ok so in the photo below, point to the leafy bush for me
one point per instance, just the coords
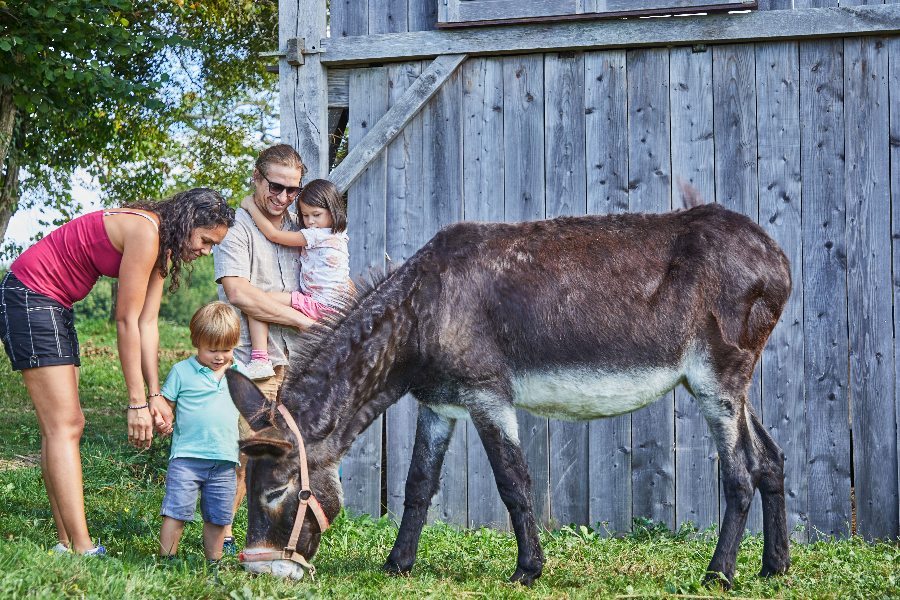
(199, 289)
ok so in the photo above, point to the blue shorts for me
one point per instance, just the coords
(214, 480)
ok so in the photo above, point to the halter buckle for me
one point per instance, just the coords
(304, 494)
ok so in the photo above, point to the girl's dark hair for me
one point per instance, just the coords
(322, 193)
(179, 216)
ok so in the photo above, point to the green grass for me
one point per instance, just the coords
(124, 489)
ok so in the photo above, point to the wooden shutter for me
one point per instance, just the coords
(458, 12)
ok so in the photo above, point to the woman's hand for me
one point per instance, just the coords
(140, 427)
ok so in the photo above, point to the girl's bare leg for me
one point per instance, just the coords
(281, 297)
(259, 334)
(54, 392)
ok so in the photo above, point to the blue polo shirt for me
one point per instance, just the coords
(206, 420)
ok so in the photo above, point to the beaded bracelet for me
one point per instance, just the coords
(138, 407)
(152, 395)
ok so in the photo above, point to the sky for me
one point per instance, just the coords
(24, 224)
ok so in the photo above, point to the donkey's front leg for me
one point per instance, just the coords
(433, 434)
(497, 426)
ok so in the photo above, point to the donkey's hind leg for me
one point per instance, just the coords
(748, 459)
(433, 433)
(497, 427)
(776, 557)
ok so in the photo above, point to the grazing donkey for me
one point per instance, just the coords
(570, 318)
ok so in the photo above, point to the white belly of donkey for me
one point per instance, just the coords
(579, 393)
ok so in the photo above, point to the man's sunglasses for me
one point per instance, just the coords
(276, 188)
(218, 207)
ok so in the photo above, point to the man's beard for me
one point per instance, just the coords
(262, 203)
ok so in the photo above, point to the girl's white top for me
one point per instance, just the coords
(325, 266)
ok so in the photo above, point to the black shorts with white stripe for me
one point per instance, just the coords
(37, 331)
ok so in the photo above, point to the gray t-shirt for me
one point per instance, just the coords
(245, 252)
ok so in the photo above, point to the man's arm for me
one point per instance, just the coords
(257, 304)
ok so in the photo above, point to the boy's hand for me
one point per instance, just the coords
(247, 203)
(163, 418)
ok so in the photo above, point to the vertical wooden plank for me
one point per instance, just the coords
(422, 14)
(482, 90)
(649, 175)
(304, 90)
(523, 160)
(388, 16)
(737, 181)
(566, 195)
(606, 125)
(825, 287)
(348, 17)
(780, 202)
(894, 94)
(867, 174)
(693, 150)
(366, 208)
(406, 233)
(443, 191)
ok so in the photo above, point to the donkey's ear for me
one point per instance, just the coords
(259, 446)
(249, 401)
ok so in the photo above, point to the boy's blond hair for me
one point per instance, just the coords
(216, 326)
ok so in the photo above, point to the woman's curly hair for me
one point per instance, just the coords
(179, 216)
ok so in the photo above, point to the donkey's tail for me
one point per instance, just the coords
(690, 196)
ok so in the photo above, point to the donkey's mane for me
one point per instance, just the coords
(327, 346)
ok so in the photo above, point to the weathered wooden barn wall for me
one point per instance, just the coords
(798, 135)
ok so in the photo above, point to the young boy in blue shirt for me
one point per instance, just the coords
(205, 441)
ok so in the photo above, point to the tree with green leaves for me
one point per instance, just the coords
(146, 97)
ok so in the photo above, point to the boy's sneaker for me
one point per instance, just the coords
(99, 551)
(259, 369)
(60, 548)
(229, 547)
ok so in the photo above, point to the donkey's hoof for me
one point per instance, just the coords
(775, 569)
(716, 579)
(392, 568)
(525, 577)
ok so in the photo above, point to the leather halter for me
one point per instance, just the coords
(306, 500)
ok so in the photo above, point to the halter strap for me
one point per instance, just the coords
(106, 213)
(307, 500)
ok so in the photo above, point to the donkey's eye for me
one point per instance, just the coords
(273, 496)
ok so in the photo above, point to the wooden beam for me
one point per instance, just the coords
(550, 37)
(304, 88)
(387, 128)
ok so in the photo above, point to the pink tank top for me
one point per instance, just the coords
(67, 263)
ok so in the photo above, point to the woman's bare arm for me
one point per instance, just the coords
(140, 248)
(148, 324)
(272, 233)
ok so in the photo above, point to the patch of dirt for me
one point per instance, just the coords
(88, 348)
(21, 461)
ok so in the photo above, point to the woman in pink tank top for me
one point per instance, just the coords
(141, 245)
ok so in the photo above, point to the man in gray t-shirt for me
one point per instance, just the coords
(247, 266)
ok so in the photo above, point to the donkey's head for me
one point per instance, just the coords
(274, 484)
